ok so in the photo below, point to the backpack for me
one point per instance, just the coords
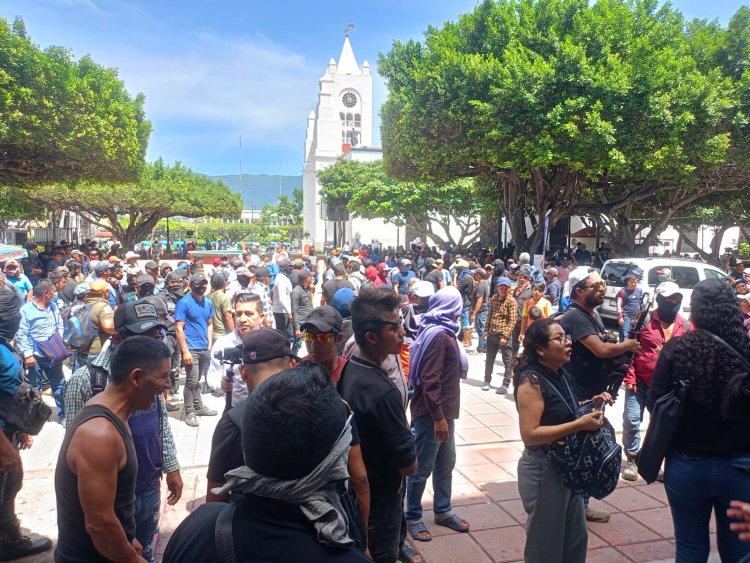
(589, 463)
(79, 332)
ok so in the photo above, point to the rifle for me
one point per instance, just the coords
(623, 362)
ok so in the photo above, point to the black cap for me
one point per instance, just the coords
(144, 279)
(324, 319)
(197, 279)
(137, 316)
(217, 279)
(262, 272)
(265, 344)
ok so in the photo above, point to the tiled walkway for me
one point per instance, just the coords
(485, 489)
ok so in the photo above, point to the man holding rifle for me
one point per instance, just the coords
(665, 324)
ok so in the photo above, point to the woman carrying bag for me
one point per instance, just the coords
(708, 462)
(556, 527)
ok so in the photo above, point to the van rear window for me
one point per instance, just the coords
(615, 273)
(685, 276)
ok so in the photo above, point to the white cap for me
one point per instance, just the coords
(578, 275)
(667, 289)
(423, 289)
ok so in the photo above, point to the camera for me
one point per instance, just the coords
(232, 355)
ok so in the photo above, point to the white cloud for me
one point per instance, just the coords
(251, 85)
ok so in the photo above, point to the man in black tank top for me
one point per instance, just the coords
(96, 470)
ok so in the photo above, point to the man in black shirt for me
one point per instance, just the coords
(265, 352)
(433, 274)
(332, 286)
(295, 436)
(387, 444)
(589, 363)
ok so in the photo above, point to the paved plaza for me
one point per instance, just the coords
(485, 490)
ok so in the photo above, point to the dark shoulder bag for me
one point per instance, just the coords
(25, 411)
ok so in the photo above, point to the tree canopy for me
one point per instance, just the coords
(367, 191)
(132, 210)
(568, 107)
(63, 120)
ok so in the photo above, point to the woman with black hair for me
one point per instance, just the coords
(709, 462)
(556, 525)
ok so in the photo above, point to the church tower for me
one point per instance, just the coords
(341, 121)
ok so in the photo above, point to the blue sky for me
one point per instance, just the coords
(212, 71)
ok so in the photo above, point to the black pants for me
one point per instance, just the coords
(506, 352)
(193, 374)
(174, 372)
(282, 322)
(384, 528)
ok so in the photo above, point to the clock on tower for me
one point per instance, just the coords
(349, 100)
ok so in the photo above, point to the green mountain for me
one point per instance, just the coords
(261, 189)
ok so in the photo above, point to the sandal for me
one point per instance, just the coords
(418, 531)
(453, 522)
(407, 554)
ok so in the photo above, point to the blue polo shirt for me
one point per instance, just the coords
(402, 279)
(195, 315)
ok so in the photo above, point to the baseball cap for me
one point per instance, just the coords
(130, 254)
(439, 261)
(462, 264)
(283, 263)
(264, 345)
(102, 266)
(73, 265)
(423, 289)
(58, 273)
(383, 267)
(98, 286)
(430, 262)
(151, 265)
(81, 289)
(217, 278)
(216, 261)
(479, 271)
(667, 289)
(514, 267)
(197, 279)
(325, 319)
(299, 262)
(525, 271)
(144, 279)
(405, 262)
(342, 301)
(137, 316)
(664, 274)
(243, 271)
(262, 271)
(578, 275)
(132, 270)
(503, 281)
(177, 275)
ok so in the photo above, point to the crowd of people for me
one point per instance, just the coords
(325, 456)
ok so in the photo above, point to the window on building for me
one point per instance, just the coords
(349, 120)
(357, 120)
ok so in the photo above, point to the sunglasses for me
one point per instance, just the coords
(322, 337)
(597, 285)
(395, 326)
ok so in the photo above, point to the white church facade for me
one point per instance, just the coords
(340, 128)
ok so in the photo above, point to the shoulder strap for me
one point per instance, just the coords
(686, 325)
(554, 388)
(223, 534)
(731, 348)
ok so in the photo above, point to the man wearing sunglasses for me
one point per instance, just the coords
(590, 363)
(323, 332)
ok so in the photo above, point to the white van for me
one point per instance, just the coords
(687, 273)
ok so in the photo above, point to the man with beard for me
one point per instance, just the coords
(193, 317)
(590, 363)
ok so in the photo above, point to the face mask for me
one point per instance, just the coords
(200, 290)
(667, 311)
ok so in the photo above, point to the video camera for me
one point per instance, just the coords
(231, 355)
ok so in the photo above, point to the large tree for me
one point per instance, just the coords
(562, 107)
(367, 191)
(132, 210)
(63, 120)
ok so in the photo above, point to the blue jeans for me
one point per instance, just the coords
(54, 377)
(384, 528)
(465, 322)
(698, 486)
(147, 505)
(479, 322)
(436, 458)
(625, 328)
(631, 419)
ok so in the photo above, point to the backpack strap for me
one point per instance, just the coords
(554, 388)
(236, 412)
(223, 534)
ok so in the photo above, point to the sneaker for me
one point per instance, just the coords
(205, 411)
(593, 515)
(630, 473)
(171, 407)
(660, 476)
(502, 390)
(217, 393)
(191, 420)
(23, 547)
(486, 387)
